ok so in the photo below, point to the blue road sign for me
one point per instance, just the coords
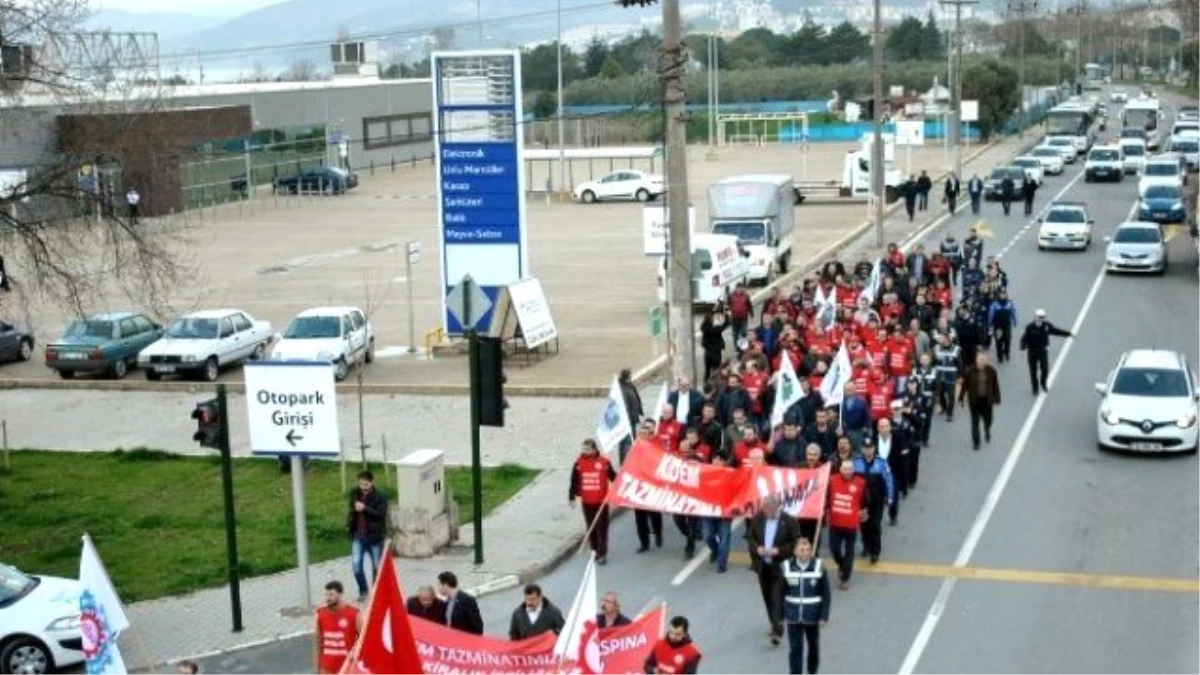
(478, 149)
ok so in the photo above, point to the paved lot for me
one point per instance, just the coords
(276, 256)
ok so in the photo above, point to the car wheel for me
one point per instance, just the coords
(588, 196)
(212, 369)
(369, 357)
(340, 369)
(642, 195)
(784, 262)
(153, 376)
(26, 655)
(66, 374)
(26, 351)
(259, 353)
(120, 369)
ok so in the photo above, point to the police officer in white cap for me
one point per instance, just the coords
(1035, 342)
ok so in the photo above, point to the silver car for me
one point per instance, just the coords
(1136, 247)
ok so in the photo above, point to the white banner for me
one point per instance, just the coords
(533, 312)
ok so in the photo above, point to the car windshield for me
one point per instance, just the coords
(1185, 146)
(1155, 382)
(1161, 169)
(1061, 141)
(1065, 216)
(1031, 163)
(1163, 192)
(747, 233)
(1046, 152)
(90, 328)
(1137, 235)
(193, 329)
(1105, 155)
(1133, 150)
(14, 584)
(1133, 133)
(313, 327)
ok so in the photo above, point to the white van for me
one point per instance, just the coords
(1134, 152)
(719, 264)
(1163, 170)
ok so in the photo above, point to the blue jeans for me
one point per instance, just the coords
(717, 533)
(360, 549)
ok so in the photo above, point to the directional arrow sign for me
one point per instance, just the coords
(467, 302)
(292, 407)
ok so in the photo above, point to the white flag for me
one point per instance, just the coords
(614, 425)
(833, 387)
(683, 406)
(578, 643)
(101, 618)
(826, 307)
(787, 389)
(871, 289)
(662, 401)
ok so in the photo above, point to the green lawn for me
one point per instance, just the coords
(158, 520)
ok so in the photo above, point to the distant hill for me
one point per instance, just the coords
(167, 25)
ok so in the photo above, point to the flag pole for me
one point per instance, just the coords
(352, 656)
(592, 525)
(576, 602)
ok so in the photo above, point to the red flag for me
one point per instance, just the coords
(386, 644)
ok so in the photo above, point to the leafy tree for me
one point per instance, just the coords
(594, 56)
(611, 68)
(931, 40)
(638, 53)
(846, 44)
(545, 105)
(757, 47)
(994, 85)
(539, 67)
(809, 45)
(697, 44)
(906, 42)
(1035, 43)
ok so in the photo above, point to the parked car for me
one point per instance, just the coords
(239, 185)
(103, 343)
(324, 179)
(39, 622)
(1162, 204)
(16, 342)
(342, 336)
(624, 184)
(1136, 247)
(1032, 166)
(991, 185)
(1148, 403)
(202, 343)
(1051, 159)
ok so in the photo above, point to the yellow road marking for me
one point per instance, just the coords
(1172, 231)
(1085, 580)
(982, 229)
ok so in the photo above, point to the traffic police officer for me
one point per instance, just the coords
(805, 606)
(1035, 342)
(1002, 318)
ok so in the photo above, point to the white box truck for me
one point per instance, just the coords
(760, 210)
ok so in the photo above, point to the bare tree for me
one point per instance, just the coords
(303, 70)
(64, 232)
(375, 294)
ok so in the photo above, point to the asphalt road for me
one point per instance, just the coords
(1038, 553)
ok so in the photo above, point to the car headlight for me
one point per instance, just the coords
(1110, 418)
(1143, 206)
(1186, 421)
(1177, 206)
(64, 623)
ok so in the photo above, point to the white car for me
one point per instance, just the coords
(1134, 152)
(1136, 247)
(1163, 170)
(1189, 147)
(1032, 166)
(624, 184)
(202, 343)
(1065, 225)
(1118, 96)
(1148, 404)
(343, 336)
(39, 622)
(1104, 162)
(1188, 113)
(1051, 159)
(1064, 145)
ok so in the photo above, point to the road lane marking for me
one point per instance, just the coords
(921, 641)
(691, 566)
(1079, 579)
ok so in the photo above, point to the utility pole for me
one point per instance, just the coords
(683, 361)
(1022, 8)
(1078, 39)
(562, 153)
(953, 119)
(877, 171)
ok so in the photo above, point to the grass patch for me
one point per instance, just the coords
(158, 519)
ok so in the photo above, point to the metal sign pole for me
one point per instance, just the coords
(408, 277)
(231, 551)
(301, 518)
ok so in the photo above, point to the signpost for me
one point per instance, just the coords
(908, 134)
(655, 321)
(413, 257)
(466, 303)
(292, 410)
(478, 150)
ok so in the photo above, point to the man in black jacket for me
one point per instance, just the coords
(534, 616)
(1008, 189)
(951, 192)
(633, 407)
(462, 610)
(1035, 342)
(788, 449)
(366, 523)
(771, 535)
(924, 186)
(822, 433)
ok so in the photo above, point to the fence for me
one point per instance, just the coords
(224, 174)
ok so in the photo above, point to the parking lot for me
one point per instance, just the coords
(275, 256)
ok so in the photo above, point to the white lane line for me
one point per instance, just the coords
(691, 566)
(975, 534)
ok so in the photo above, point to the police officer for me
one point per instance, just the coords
(952, 251)
(1035, 342)
(946, 359)
(973, 247)
(806, 603)
(1002, 318)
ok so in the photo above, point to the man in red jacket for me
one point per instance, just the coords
(741, 310)
(675, 653)
(754, 381)
(880, 392)
(590, 479)
(847, 509)
(669, 431)
(900, 357)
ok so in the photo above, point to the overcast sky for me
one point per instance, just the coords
(201, 7)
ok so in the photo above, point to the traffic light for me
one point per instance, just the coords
(208, 424)
(491, 382)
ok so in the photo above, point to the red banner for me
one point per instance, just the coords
(654, 480)
(444, 650)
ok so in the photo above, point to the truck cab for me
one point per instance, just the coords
(760, 211)
(719, 265)
(856, 170)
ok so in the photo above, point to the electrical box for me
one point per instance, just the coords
(421, 481)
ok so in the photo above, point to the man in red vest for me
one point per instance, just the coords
(338, 624)
(675, 653)
(590, 480)
(847, 509)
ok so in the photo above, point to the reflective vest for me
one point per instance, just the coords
(674, 658)
(593, 479)
(802, 597)
(339, 632)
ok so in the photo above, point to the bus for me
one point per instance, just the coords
(1074, 121)
(1143, 112)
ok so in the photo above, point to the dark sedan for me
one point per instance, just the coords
(323, 180)
(16, 342)
(103, 343)
(1162, 204)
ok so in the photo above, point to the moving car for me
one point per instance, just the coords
(1163, 170)
(39, 622)
(1118, 96)
(1032, 166)
(16, 342)
(624, 184)
(1104, 162)
(1136, 247)
(1186, 128)
(1133, 152)
(1064, 145)
(1188, 113)
(1162, 204)
(343, 336)
(1065, 225)
(1148, 403)
(1051, 159)
(103, 343)
(1189, 147)
(991, 185)
(323, 179)
(202, 343)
